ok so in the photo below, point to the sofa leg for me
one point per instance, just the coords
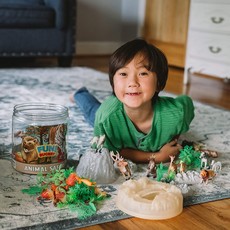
(65, 61)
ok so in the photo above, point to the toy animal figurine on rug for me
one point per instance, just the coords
(96, 163)
(121, 164)
(207, 175)
(182, 167)
(216, 166)
(204, 161)
(172, 166)
(152, 167)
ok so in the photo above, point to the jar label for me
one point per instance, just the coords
(39, 148)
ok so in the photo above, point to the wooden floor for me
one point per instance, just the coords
(212, 91)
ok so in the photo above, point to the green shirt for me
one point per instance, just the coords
(172, 116)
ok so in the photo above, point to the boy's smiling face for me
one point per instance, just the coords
(134, 84)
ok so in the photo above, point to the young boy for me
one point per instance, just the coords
(135, 120)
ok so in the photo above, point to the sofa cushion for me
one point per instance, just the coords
(25, 2)
(26, 16)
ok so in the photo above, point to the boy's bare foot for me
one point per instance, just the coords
(71, 97)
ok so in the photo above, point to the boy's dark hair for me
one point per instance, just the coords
(155, 57)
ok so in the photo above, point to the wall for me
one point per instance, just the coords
(103, 25)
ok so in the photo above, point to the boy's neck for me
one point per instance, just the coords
(142, 119)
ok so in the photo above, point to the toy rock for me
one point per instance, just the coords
(96, 164)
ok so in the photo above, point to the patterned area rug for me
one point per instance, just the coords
(20, 211)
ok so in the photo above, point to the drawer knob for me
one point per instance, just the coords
(214, 49)
(217, 20)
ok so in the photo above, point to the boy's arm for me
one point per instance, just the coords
(137, 156)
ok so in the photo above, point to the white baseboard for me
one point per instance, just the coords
(95, 48)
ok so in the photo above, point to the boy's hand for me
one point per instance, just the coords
(170, 149)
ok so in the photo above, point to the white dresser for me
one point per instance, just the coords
(208, 42)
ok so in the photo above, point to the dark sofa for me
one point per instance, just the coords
(38, 28)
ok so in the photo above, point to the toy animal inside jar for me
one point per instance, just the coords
(39, 137)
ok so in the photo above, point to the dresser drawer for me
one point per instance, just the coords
(210, 17)
(215, 47)
(208, 67)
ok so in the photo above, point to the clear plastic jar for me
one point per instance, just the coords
(39, 137)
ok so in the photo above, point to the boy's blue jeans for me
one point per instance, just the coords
(87, 103)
